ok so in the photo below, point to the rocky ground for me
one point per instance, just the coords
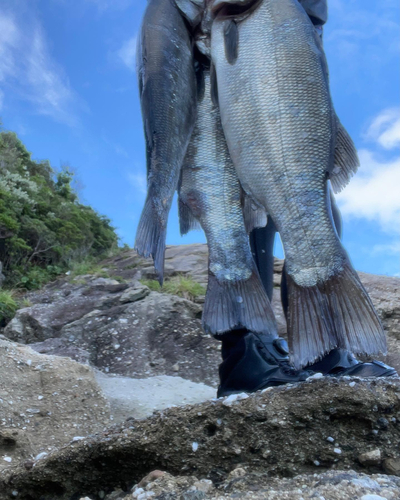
(103, 350)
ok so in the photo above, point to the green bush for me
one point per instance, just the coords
(183, 286)
(43, 226)
(8, 306)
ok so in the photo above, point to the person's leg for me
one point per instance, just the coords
(252, 361)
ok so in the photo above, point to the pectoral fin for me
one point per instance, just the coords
(231, 39)
(346, 160)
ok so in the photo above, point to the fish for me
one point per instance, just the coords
(210, 191)
(167, 88)
(253, 213)
(286, 142)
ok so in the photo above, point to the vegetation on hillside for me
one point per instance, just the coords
(44, 229)
(184, 286)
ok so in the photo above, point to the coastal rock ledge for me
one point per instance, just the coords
(321, 426)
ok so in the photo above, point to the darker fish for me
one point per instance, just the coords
(167, 88)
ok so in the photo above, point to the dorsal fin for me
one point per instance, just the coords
(231, 38)
(346, 160)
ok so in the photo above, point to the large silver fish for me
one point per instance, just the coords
(167, 88)
(285, 142)
(210, 191)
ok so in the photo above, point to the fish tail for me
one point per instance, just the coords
(240, 304)
(150, 237)
(335, 313)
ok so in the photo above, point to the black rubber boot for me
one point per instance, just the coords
(252, 362)
(340, 362)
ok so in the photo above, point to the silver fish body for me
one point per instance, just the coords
(167, 88)
(285, 140)
(211, 191)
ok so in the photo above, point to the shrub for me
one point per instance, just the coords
(43, 226)
(183, 286)
(8, 306)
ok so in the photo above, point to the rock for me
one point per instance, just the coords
(129, 332)
(134, 293)
(155, 474)
(44, 402)
(291, 423)
(392, 466)
(372, 457)
(155, 332)
(139, 398)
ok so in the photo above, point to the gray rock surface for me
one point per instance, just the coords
(139, 398)
(45, 401)
(306, 428)
(87, 317)
(242, 483)
(119, 328)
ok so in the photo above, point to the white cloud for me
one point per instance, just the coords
(139, 182)
(385, 128)
(27, 68)
(374, 192)
(127, 53)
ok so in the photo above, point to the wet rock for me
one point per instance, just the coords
(292, 423)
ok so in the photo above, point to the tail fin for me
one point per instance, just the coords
(150, 238)
(336, 313)
(237, 304)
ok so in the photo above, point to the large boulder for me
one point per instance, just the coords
(124, 329)
(119, 328)
(245, 484)
(45, 401)
(304, 428)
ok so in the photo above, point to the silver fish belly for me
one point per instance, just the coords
(282, 135)
(210, 189)
(167, 88)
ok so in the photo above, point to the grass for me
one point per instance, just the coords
(183, 286)
(87, 266)
(8, 305)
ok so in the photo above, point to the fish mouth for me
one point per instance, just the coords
(238, 9)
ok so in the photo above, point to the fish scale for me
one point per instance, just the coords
(284, 160)
(210, 189)
(282, 134)
(167, 87)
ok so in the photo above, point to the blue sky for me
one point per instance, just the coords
(68, 88)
